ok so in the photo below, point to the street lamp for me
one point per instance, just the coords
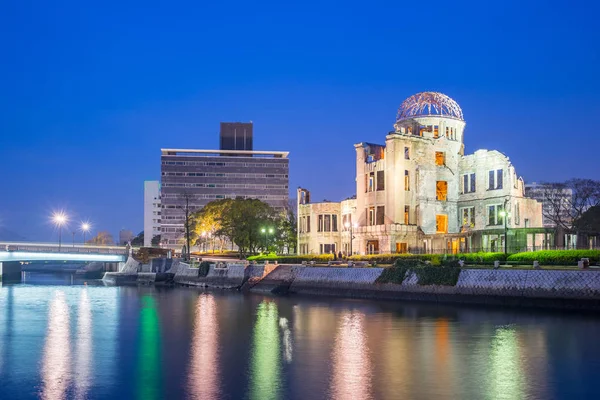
(349, 226)
(504, 216)
(59, 219)
(85, 227)
(265, 231)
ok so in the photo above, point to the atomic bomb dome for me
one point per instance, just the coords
(429, 104)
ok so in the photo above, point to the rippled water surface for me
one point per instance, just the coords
(143, 343)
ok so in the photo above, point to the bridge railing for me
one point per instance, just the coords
(63, 248)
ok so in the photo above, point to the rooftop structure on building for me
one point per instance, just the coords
(418, 192)
(236, 136)
(208, 175)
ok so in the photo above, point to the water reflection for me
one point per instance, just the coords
(148, 371)
(506, 376)
(204, 364)
(287, 339)
(83, 346)
(266, 364)
(352, 368)
(56, 365)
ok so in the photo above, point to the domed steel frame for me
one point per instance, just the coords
(429, 104)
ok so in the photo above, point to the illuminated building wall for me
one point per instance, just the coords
(419, 192)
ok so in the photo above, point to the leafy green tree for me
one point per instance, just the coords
(238, 221)
(102, 238)
(155, 241)
(138, 240)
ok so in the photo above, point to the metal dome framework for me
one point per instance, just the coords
(429, 104)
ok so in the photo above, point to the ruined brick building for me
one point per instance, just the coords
(419, 192)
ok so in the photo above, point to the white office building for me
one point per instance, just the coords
(152, 211)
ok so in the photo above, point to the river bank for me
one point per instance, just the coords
(531, 288)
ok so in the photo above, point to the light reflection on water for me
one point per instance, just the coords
(56, 368)
(147, 343)
(204, 364)
(351, 363)
(83, 347)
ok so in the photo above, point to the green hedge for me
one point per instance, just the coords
(427, 274)
(298, 259)
(555, 257)
(434, 259)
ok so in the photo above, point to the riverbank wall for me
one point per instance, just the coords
(567, 289)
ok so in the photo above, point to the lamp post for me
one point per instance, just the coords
(350, 226)
(85, 227)
(504, 216)
(59, 219)
(265, 231)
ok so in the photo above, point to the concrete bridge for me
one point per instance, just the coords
(14, 254)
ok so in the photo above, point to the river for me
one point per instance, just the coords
(85, 341)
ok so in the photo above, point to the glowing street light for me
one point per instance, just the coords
(85, 227)
(267, 231)
(59, 219)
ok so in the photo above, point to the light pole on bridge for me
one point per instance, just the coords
(59, 219)
(85, 227)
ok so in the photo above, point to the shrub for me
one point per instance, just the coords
(294, 259)
(427, 274)
(430, 275)
(555, 257)
(203, 269)
(391, 258)
(481, 257)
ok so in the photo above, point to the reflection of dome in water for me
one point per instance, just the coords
(429, 104)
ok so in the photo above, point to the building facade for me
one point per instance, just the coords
(556, 202)
(419, 192)
(207, 175)
(125, 237)
(236, 136)
(152, 211)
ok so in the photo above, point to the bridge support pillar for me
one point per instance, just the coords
(10, 271)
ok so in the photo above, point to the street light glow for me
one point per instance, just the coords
(59, 218)
(85, 226)
(263, 230)
(270, 230)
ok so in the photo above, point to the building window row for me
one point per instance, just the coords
(468, 183)
(224, 196)
(327, 248)
(225, 185)
(327, 223)
(376, 215)
(495, 179)
(495, 214)
(224, 164)
(375, 181)
(224, 175)
(305, 224)
(451, 133)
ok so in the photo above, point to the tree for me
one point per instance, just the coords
(589, 221)
(138, 240)
(188, 198)
(102, 238)
(287, 232)
(566, 203)
(239, 221)
(155, 241)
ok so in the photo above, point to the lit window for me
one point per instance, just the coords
(440, 158)
(371, 215)
(441, 188)
(406, 215)
(441, 223)
(406, 181)
(468, 217)
(436, 131)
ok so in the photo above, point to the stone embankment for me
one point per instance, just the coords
(544, 288)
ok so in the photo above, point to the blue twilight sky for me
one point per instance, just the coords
(90, 91)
